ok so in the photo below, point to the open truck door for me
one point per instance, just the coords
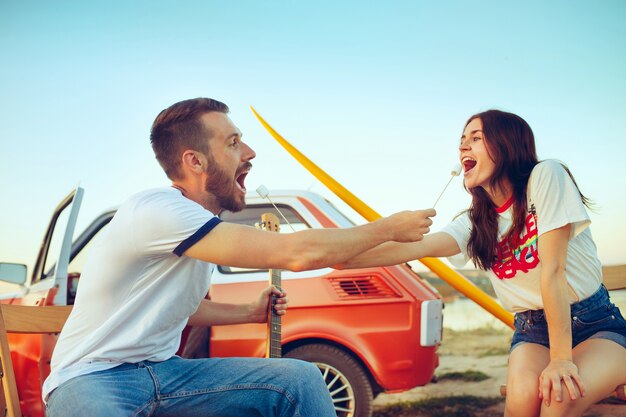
(50, 268)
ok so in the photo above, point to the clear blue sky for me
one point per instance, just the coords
(374, 92)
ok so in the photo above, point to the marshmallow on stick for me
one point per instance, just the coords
(456, 171)
(263, 192)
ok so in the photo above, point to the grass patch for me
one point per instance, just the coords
(494, 351)
(480, 342)
(455, 406)
(478, 331)
(468, 376)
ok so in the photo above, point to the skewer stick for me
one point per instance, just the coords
(456, 171)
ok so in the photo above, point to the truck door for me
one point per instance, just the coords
(49, 277)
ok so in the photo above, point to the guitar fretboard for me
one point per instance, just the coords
(270, 222)
(275, 323)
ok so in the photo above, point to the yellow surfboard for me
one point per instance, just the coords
(453, 278)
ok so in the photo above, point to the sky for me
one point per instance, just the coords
(375, 93)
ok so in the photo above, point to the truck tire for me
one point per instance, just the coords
(349, 386)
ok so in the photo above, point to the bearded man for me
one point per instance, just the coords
(147, 277)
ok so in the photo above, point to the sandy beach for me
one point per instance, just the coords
(484, 350)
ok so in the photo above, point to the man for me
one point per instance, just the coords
(148, 275)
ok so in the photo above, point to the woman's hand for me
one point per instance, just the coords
(550, 381)
(258, 309)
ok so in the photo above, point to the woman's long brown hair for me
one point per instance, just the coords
(510, 143)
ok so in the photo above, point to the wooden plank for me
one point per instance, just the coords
(23, 319)
(614, 277)
(34, 319)
(9, 386)
(615, 282)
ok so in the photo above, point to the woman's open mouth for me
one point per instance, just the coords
(468, 164)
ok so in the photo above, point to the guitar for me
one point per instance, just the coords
(270, 222)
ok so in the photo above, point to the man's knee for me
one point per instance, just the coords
(302, 371)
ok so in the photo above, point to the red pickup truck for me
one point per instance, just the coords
(368, 330)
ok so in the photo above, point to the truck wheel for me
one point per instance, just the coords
(345, 378)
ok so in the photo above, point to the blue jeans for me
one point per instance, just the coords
(593, 317)
(196, 387)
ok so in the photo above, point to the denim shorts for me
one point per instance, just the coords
(593, 317)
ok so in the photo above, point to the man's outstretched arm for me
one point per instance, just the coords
(243, 246)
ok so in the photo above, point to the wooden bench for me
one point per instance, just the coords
(612, 282)
(23, 319)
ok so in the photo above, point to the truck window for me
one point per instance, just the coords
(78, 262)
(55, 244)
(251, 215)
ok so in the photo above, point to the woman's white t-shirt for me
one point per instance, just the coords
(553, 201)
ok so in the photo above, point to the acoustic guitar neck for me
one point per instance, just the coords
(270, 222)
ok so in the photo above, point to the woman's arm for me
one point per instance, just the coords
(392, 253)
(552, 248)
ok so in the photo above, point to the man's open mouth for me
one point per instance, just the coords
(241, 179)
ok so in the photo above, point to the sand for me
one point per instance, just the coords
(482, 350)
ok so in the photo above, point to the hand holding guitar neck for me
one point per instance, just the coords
(456, 171)
(270, 222)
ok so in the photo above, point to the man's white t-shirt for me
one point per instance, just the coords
(553, 202)
(137, 290)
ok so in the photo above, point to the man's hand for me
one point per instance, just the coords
(258, 309)
(410, 226)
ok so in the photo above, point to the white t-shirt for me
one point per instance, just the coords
(136, 291)
(553, 202)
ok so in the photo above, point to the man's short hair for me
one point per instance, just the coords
(179, 128)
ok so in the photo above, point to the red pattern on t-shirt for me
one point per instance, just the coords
(525, 255)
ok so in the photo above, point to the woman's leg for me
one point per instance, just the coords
(602, 367)
(526, 363)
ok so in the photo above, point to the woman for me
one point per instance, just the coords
(528, 226)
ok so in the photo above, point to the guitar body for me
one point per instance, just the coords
(270, 222)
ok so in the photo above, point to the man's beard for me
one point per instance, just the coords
(222, 187)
